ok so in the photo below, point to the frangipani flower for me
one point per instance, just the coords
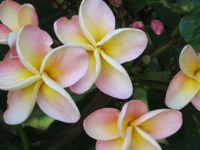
(39, 74)
(107, 48)
(133, 128)
(14, 16)
(185, 85)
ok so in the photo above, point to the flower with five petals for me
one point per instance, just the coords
(14, 16)
(39, 74)
(133, 128)
(185, 86)
(107, 48)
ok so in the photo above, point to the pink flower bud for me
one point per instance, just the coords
(115, 3)
(137, 25)
(157, 26)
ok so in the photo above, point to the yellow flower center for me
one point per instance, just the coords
(197, 76)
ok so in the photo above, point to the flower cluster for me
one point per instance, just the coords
(92, 53)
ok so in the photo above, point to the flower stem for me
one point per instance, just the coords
(154, 84)
(72, 130)
(23, 136)
(162, 76)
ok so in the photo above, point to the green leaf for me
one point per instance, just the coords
(190, 28)
(35, 135)
(176, 6)
(182, 8)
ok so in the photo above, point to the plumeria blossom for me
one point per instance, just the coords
(133, 128)
(39, 74)
(14, 16)
(185, 86)
(107, 48)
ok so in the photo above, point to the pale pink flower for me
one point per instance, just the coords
(185, 86)
(133, 128)
(14, 16)
(107, 48)
(40, 74)
(157, 26)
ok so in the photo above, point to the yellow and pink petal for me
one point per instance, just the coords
(8, 55)
(90, 76)
(21, 103)
(189, 61)
(95, 23)
(124, 44)
(32, 46)
(66, 64)
(160, 123)
(181, 91)
(8, 14)
(113, 78)
(27, 15)
(143, 141)
(13, 75)
(69, 31)
(115, 144)
(130, 111)
(56, 102)
(4, 30)
(102, 124)
(12, 38)
(196, 101)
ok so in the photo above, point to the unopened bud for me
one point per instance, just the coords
(146, 59)
(116, 3)
(137, 25)
(157, 26)
(54, 4)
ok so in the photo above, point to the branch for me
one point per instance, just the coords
(72, 130)
(163, 76)
(154, 84)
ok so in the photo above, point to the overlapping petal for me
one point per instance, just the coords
(115, 144)
(128, 138)
(90, 76)
(56, 102)
(181, 91)
(113, 79)
(66, 64)
(130, 111)
(160, 123)
(143, 141)
(27, 15)
(92, 26)
(13, 75)
(8, 14)
(4, 30)
(196, 101)
(189, 61)
(102, 124)
(32, 46)
(124, 44)
(12, 38)
(21, 103)
(8, 55)
(69, 31)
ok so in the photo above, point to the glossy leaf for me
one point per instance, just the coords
(176, 6)
(190, 28)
